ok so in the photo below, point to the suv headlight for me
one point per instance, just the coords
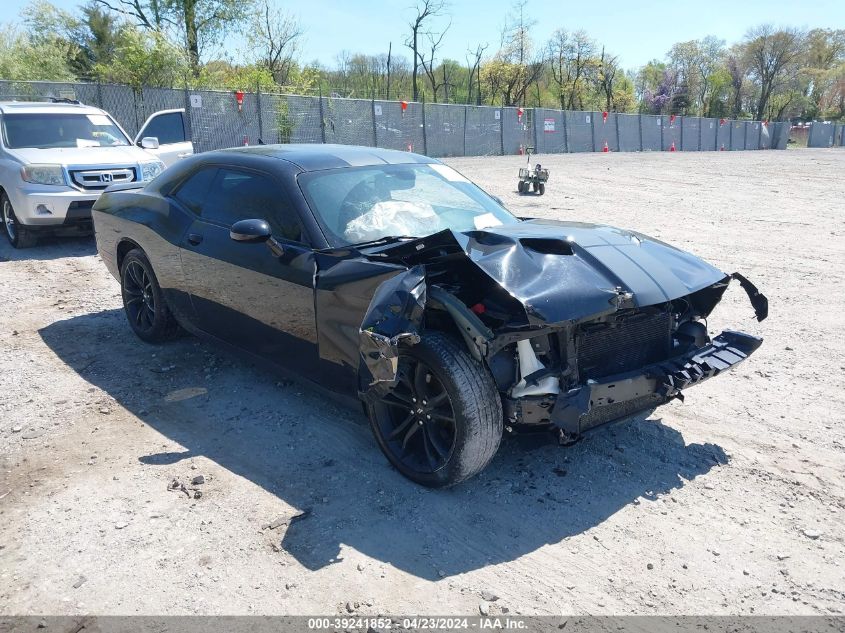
(151, 170)
(43, 174)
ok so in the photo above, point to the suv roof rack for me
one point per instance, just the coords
(64, 100)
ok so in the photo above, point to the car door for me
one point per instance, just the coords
(169, 130)
(243, 293)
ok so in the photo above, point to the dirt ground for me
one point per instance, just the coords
(731, 503)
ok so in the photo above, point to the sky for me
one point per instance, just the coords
(636, 31)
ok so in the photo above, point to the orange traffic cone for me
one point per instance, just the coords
(672, 149)
(606, 148)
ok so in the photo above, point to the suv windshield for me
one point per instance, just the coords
(45, 131)
(362, 204)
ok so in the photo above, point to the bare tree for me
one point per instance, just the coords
(389, 56)
(773, 58)
(428, 62)
(475, 72)
(274, 37)
(426, 10)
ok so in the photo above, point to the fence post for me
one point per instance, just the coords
(99, 95)
(565, 132)
(616, 117)
(258, 106)
(593, 129)
(660, 118)
(322, 118)
(502, 129)
(373, 114)
(188, 117)
(700, 124)
(681, 148)
(425, 131)
(640, 124)
(466, 108)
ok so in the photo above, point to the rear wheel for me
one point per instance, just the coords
(442, 422)
(542, 188)
(535, 186)
(520, 186)
(143, 300)
(16, 233)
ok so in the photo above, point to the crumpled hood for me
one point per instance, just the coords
(568, 271)
(83, 156)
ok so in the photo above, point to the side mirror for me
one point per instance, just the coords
(150, 142)
(250, 231)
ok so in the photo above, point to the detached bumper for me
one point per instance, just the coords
(614, 397)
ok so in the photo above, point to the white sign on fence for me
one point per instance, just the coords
(377, 109)
(548, 125)
(196, 101)
(497, 115)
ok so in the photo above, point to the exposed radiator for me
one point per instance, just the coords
(623, 344)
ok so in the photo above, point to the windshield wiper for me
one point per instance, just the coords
(390, 239)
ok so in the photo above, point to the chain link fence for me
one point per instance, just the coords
(216, 120)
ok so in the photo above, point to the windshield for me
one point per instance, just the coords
(46, 131)
(362, 204)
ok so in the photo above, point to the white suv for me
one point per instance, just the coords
(56, 159)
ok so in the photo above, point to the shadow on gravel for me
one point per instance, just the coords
(48, 248)
(318, 456)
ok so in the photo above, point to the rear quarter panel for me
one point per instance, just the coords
(138, 219)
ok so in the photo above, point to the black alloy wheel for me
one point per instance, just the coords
(442, 421)
(143, 301)
(418, 421)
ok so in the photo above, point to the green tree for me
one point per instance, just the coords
(144, 58)
(22, 59)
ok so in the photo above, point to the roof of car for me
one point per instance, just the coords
(46, 107)
(317, 156)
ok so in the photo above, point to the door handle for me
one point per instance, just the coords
(194, 238)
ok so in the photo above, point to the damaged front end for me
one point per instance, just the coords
(578, 325)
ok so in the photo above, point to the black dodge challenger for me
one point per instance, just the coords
(392, 279)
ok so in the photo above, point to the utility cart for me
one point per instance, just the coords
(532, 179)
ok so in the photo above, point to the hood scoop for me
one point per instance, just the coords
(547, 245)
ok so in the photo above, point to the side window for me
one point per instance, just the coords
(168, 128)
(194, 191)
(241, 195)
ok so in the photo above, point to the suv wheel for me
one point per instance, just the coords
(442, 422)
(16, 233)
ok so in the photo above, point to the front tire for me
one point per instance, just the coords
(143, 301)
(442, 422)
(16, 233)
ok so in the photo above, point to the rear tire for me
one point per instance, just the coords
(16, 233)
(442, 423)
(542, 189)
(520, 186)
(143, 301)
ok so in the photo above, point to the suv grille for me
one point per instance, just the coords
(624, 343)
(99, 179)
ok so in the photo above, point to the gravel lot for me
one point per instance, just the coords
(729, 504)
